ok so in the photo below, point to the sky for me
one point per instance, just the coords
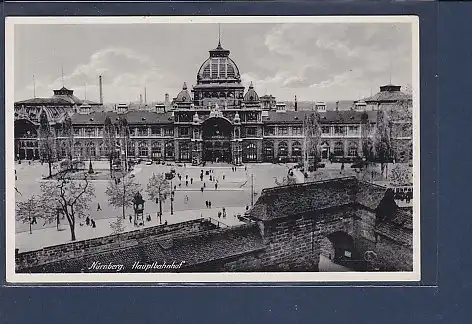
(314, 61)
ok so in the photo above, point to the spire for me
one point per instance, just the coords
(219, 35)
(251, 86)
(85, 91)
(34, 87)
(184, 87)
(62, 74)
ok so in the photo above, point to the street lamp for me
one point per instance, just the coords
(138, 205)
(170, 176)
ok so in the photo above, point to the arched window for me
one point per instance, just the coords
(184, 152)
(78, 151)
(352, 149)
(268, 151)
(63, 150)
(339, 149)
(251, 152)
(169, 150)
(90, 150)
(156, 150)
(143, 149)
(283, 149)
(296, 149)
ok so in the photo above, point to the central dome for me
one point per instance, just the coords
(218, 67)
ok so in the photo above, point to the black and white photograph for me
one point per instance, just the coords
(212, 149)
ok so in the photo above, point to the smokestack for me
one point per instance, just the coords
(140, 99)
(166, 102)
(101, 89)
(296, 103)
(337, 105)
(145, 96)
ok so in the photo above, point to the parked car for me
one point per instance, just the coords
(149, 162)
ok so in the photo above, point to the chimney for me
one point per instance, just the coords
(100, 88)
(145, 96)
(296, 103)
(140, 99)
(337, 105)
(166, 102)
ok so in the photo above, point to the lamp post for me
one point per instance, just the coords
(138, 205)
(170, 176)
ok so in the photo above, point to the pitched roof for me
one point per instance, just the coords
(194, 249)
(328, 117)
(278, 202)
(44, 101)
(133, 117)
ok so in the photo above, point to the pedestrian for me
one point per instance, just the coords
(165, 223)
(186, 177)
(130, 219)
(223, 176)
(93, 223)
(191, 180)
(216, 185)
(186, 198)
(204, 185)
(87, 221)
(34, 221)
(206, 203)
(201, 189)
(219, 214)
(211, 179)
(201, 177)
(186, 183)
(98, 207)
(175, 187)
(209, 203)
(245, 168)
(180, 184)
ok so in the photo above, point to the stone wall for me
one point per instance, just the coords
(101, 244)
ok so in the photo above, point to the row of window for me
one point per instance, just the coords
(134, 131)
(325, 130)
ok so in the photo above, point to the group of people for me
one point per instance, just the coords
(208, 203)
(90, 222)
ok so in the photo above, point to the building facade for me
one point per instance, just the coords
(216, 120)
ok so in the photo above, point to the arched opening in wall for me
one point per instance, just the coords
(26, 140)
(338, 253)
(216, 135)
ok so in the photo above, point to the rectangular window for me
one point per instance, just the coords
(339, 130)
(76, 131)
(353, 130)
(283, 130)
(325, 130)
(168, 132)
(142, 131)
(269, 131)
(251, 131)
(132, 131)
(156, 131)
(184, 131)
(297, 131)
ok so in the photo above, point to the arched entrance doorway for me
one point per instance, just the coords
(216, 135)
(338, 253)
(26, 140)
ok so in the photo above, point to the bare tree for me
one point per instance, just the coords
(121, 193)
(109, 141)
(29, 210)
(46, 140)
(382, 145)
(312, 133)
(72, 197)
(124, 140)
(68, 133)
(158, 188)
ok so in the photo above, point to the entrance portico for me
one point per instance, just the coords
(216, 135)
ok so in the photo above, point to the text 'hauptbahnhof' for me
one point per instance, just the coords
(217, 120)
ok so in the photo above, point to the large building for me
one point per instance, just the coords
(217, 120)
